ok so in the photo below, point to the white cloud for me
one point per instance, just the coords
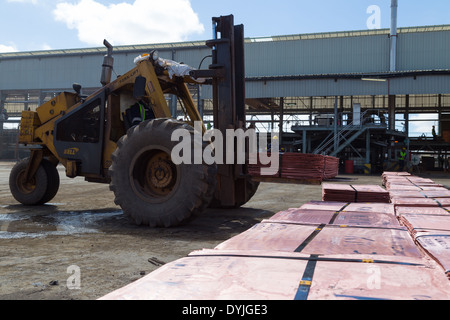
(144, 21)
(7, 48)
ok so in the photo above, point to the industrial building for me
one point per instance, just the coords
(360, 95)
(371, 100)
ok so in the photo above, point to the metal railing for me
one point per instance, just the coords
(356, 127)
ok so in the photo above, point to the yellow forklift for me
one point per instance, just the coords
(121, 135)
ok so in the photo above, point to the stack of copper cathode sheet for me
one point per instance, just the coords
(425, 210)
(430, 228)
(434, 194)
(256, 163)
(409, 182)
(266, 275)
(331, 167)
(297, 166)
(371, 193)
(302, 166)
(354, 193)
(411, 191)
(320, 250)
(338, 192)
(341, 232)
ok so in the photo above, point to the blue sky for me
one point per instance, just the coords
(29, 25)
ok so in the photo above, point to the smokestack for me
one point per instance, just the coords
(107, 67)
(393, 55)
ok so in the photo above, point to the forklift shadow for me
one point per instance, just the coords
(213, 224)
(225, 223)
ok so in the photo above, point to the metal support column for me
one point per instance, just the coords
(391, 111)
(335, 123)
(1, 111)
(440, 115)
(2, 100)
(407, 115)
(281, 120)
(41, 97)
(272, 120)
(304, 143)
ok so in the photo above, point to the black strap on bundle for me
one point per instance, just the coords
(306, 282)
(335, 215)
(310, 238)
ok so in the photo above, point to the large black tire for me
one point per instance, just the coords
(42, 187)
(148, 186)
(52, 179)
(252, 187)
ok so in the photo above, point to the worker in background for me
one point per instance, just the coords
(269, 146)
(401, 159)
(3, 115)
(433, 131)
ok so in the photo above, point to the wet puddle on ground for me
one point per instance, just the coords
(27, 225)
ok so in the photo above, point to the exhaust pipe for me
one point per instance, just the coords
(108, 62)
(393, 35)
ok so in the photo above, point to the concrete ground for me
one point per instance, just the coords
(83, 235)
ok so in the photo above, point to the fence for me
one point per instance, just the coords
(9, 147)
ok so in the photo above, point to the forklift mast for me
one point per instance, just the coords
(229, 90)
(228, 82)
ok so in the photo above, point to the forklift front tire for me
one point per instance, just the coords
(148, 186)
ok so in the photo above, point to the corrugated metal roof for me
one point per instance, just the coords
(357, 33)
(281, 61)
(102, 50)
(191, 44)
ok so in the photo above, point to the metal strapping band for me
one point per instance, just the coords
(310, 238)
(320, 228)
(316, 258)
(439, 204)
(306, 282)
(356, 193)
(333, 218)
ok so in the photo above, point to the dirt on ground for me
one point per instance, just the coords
(83, 236)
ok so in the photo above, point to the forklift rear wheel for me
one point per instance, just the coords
(148, 186)
(39, 189)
